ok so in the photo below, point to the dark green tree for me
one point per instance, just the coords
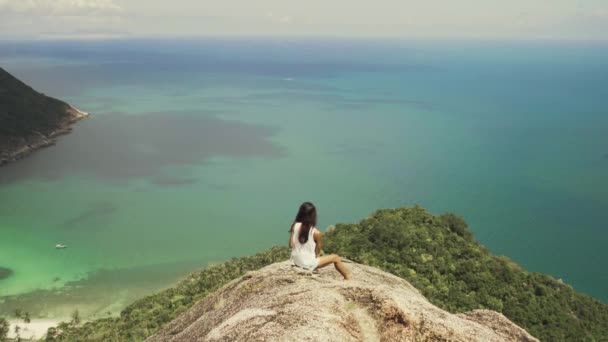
(18, 313)
(51, 334)
(75, 318)
(4, 328)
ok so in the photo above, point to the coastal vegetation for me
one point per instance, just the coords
(440, 257)
(24, 110)
(147, 315)
(437, 254)
(4, 328)
(30, 120)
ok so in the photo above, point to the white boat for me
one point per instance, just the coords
(60, 246)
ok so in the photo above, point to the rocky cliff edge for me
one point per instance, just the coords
(281, 302)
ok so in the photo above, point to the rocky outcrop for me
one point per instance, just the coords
(283, 303)
(30, 120)
(17, 148)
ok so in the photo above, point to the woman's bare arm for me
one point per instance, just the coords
(317, 237)
(291, 237)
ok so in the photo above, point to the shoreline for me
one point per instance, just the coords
(36, 329)
(39, 140)
(101, 294)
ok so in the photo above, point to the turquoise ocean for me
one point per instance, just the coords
(199, 150)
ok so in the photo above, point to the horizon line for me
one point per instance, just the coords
(127, 37)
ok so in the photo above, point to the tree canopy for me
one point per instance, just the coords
(437, 254)
(440, 257)
(24, 111)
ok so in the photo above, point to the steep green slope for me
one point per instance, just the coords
(437, 254)
(440, 257)
(145, 316)
(24, 111)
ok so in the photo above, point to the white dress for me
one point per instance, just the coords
(303, 255)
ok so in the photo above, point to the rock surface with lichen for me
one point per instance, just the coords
(283, 303)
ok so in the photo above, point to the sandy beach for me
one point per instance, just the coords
(79, 114)
(36, 329)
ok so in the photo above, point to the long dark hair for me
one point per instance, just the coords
(307, 216)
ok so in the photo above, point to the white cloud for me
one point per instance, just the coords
(282, 19)
(556, 19)
(59, 7)
(63, 19)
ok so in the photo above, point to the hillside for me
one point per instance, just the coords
(146, 316)
(441, 258)
(29, 120)
(283, 303)
(438, 255)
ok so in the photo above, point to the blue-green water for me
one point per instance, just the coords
(200, 150)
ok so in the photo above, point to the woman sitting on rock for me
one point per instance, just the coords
(305, 243)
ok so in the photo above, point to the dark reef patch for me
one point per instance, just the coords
(95, 212)
(5, 272)
(119, 146)
(171, 182)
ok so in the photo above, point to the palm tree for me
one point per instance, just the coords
(75, 317)
(51, 333)
(4, 328)
(18, 313)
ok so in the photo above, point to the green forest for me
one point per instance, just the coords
(440, 257)
(146, 316)
(24, 111)
(437, 254)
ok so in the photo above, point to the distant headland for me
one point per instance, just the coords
(30, 120)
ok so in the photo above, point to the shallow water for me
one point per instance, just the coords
(200, 150)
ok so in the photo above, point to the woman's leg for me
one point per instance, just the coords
(334, 259)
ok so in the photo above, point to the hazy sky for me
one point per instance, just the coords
(556, 19)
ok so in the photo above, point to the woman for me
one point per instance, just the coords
(305, 243)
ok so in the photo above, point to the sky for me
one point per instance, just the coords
(484, 19)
